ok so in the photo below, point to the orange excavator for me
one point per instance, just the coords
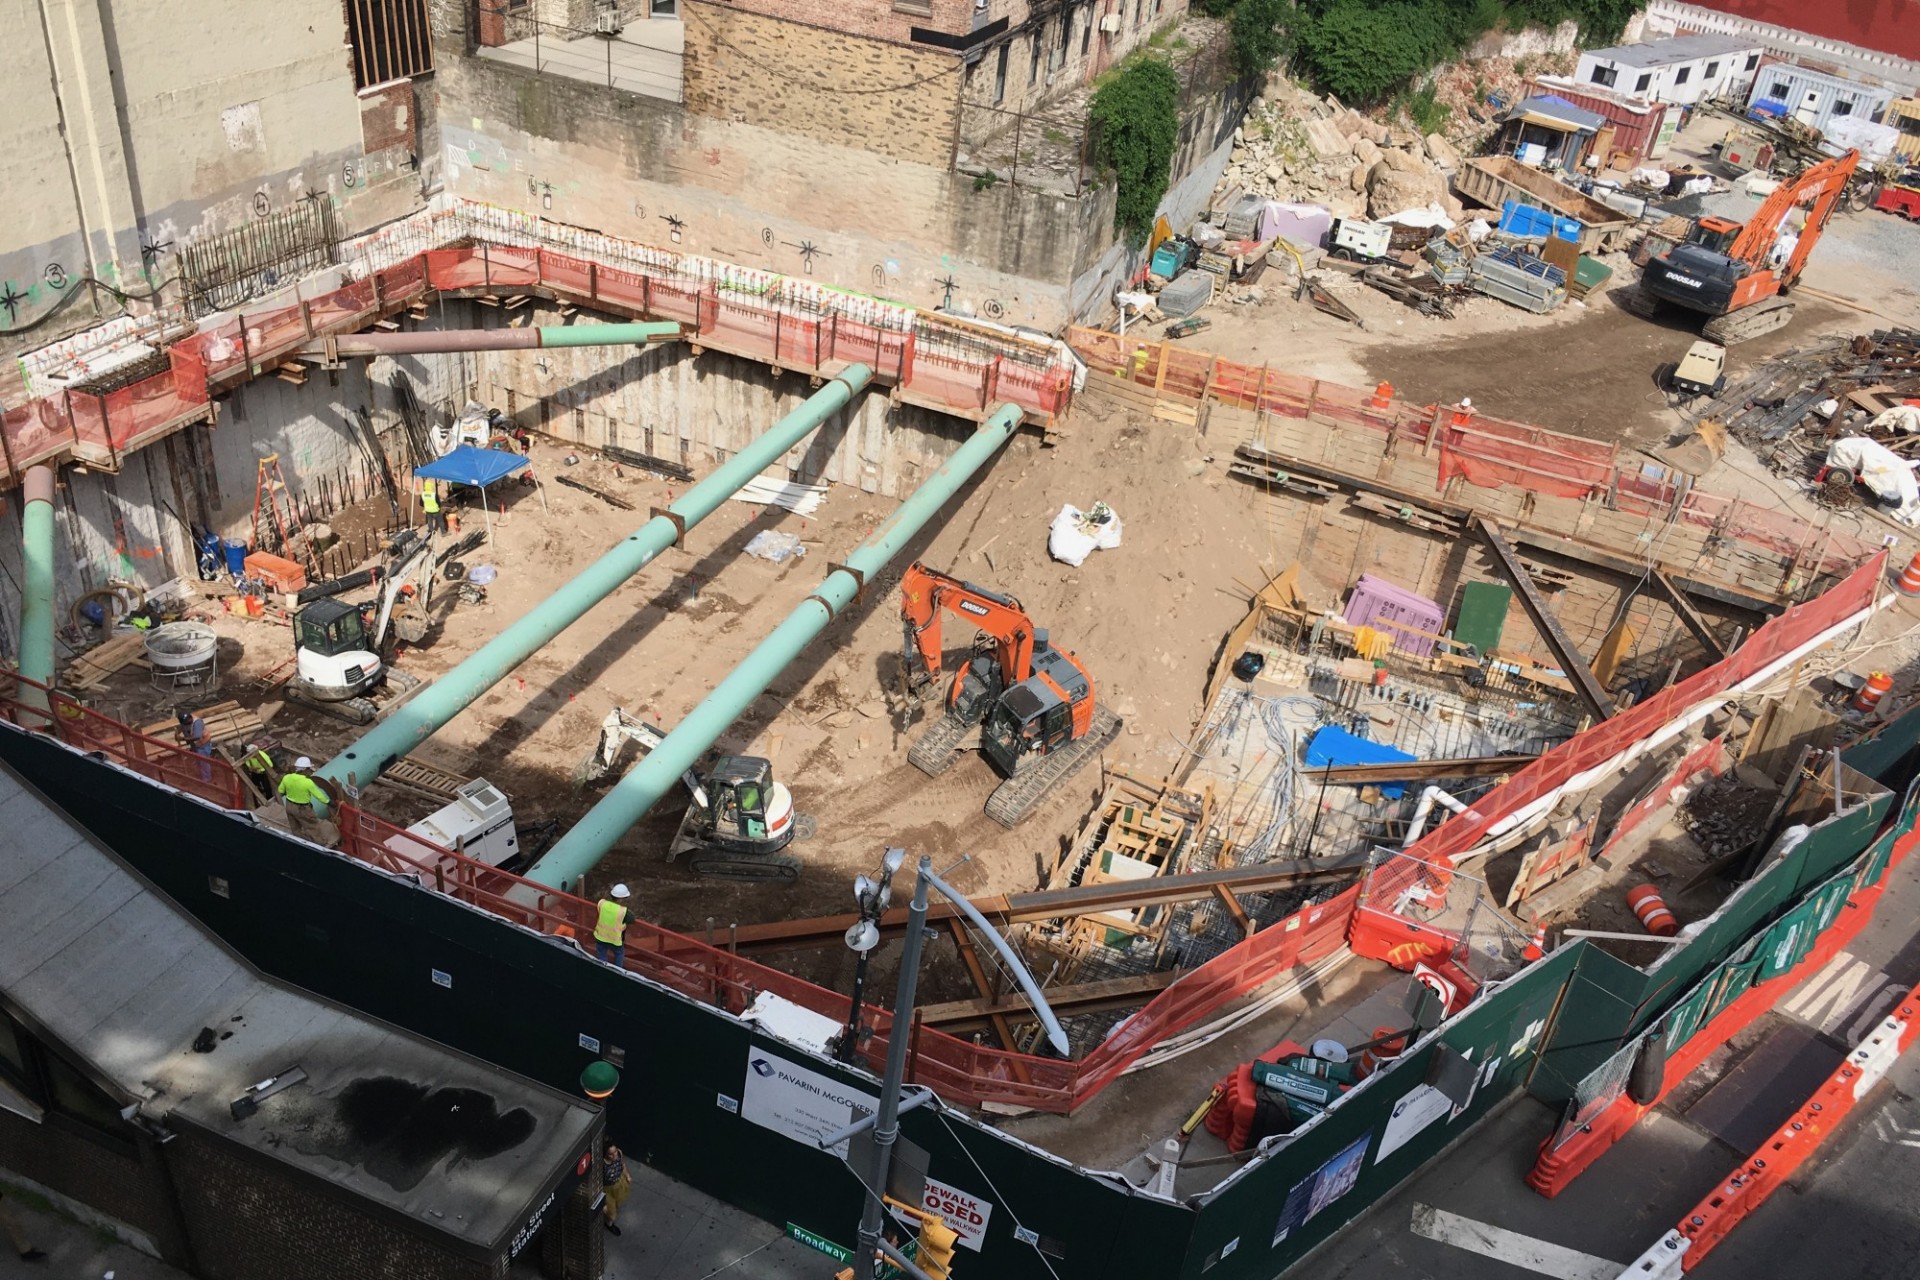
(1034, 704)
(1736, 272)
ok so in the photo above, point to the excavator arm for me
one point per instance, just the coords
(925, 597)
(1820, 187)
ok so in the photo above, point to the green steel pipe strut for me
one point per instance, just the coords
(581, 848)
(435, 341)
(428, 711)
(36, 599)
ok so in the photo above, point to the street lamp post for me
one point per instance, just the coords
(886, 1124)
(863, 935)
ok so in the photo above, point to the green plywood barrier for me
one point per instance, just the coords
(1483, 615)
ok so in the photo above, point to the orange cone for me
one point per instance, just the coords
(1909, 584)
(1536, 946)
(1652, 911)
(1382, 398)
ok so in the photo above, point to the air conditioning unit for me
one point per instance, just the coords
(606, 21)
(1110, 24)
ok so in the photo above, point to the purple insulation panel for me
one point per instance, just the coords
(1377, 603)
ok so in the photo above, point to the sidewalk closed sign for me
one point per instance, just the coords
(967, 1214)
(839, 1253)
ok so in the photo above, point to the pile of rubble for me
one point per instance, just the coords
(1297, 148)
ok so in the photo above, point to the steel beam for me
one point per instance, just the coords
(1072, 997)
(1546, 540)
(1545, 623)
(1418, 770)
(1052, 904)
(1689, 616)
(437, 341)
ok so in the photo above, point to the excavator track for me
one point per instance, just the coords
(720, 865)
(353, 710)
(1749, 322)
(939, 746)
(1016, 798)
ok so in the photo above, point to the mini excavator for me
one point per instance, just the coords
(1033, 703)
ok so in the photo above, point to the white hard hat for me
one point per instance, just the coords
(619, 891)
(303, 763)
(1466, 402)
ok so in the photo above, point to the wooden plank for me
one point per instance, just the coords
(1591, 691)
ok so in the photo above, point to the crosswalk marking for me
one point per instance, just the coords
(1831, 994)
(1538, 1256)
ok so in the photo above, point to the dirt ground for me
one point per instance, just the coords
(1590, 369)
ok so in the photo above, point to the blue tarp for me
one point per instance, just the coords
(1334, 745)
(474, 466)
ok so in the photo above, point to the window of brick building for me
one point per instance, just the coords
(1033, 62)
(1000, 74)
(1066, 40)
(391, 40)
(1605, 76)
(1086, 29)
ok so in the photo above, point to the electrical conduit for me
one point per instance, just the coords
(423, 716)
(36, 599)
(581, 848)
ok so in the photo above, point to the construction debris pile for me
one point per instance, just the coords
(1841, 415)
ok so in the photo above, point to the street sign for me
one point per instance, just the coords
(839, 1253)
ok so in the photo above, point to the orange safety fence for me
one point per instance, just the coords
(1486, 452)
(98, 426)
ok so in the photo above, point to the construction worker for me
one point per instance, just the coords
(191, 733)
(306, 802)
(610, 927)
(258, 761)
(430, 503)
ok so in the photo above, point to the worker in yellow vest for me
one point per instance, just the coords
(430, 503)
(610, 927)
(306, 800)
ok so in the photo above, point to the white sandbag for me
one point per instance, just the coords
(1904, 418)
(1883, 471)
(1077, 534)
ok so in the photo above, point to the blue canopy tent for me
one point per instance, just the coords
(474, 466)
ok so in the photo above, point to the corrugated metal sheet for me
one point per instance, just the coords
(1634, 126)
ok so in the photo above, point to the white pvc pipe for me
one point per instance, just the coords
(1425, 807)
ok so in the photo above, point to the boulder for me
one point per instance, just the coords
(1275, 173)
(1358, 178)
(1442, 152)
(1365, 150)
(1401, 180)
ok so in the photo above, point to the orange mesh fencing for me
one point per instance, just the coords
(1491, 453)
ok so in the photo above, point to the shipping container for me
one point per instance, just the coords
(1636, 122)
(1814, 97)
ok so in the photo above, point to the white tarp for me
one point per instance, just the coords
(1883, 471)
(1904, 418)
(1077, 534)
(1874, 142)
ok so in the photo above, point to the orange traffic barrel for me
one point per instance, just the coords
(1909, 584)
(1382, 1052)
(1872, 691)
(1382, 398)
(1652, 911)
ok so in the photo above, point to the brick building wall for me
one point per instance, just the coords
(248, 1218)
(126, 1183)
(893, 100)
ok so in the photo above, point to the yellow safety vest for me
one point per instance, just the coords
(298, 788)
(259, 762)
(429, 497)
(611, 928)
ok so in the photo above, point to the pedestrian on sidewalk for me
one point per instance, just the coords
(617, 1183)
(16, 1233)
(610, 927)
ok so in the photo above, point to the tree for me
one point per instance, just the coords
(1360, 53)
(1260, 35)
(1136, 113)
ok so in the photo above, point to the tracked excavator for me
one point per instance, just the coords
(1737, 273)
(740, 819)
(1033, 704)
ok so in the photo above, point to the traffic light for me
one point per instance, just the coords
(937, 1243)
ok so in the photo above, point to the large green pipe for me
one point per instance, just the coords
(36, 600)
(434, 341)
(421, 717)
(582, 847)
